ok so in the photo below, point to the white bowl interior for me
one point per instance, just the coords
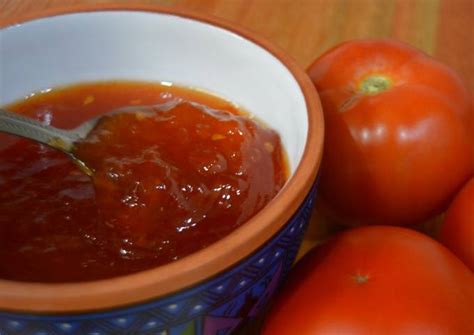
(60, 50)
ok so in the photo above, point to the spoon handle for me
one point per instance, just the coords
(19, 125)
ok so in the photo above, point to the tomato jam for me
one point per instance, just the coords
(168, 181)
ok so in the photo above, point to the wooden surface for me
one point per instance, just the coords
(305, 28)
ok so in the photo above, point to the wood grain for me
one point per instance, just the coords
(305, 28)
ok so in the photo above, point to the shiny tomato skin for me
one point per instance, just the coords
(376, 280)
(457, 230)
(398, 130)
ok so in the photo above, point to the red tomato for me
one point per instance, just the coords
(397, 144)
(376, 280)
(457, 231)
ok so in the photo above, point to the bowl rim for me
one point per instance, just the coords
(152, 284)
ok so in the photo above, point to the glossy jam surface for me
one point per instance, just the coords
(168, 181)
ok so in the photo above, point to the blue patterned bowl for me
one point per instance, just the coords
(214, 291)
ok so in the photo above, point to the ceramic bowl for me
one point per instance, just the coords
(214, 291)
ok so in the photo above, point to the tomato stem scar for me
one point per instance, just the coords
(374, 84)
(360, 279)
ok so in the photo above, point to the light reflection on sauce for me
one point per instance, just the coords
(166, 185)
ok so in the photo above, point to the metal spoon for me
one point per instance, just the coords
(56, 138)
(64, 140)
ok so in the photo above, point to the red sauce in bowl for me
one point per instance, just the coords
(167, 182)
